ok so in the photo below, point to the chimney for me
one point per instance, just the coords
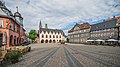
(46, 26)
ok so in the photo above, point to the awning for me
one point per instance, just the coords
(100, 40)
(111, 40)
(90, 40)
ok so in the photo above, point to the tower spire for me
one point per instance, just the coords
(40, 24)
(17, 8)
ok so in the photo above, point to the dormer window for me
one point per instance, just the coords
(44, 32)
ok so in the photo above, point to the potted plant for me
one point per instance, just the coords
(13, 56)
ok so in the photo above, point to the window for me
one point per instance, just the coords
(53, 36)
(1, 23)
(60, 36)
(51, 32)
(97, 27)
(44, 32)
(42, 36)
(104, 25)
(50, 36)
(46, 36)
(56, 36)
(16, 28)
(11, 26)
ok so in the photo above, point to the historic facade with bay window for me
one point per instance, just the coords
(11, 28)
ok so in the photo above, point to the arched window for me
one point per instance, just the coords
(46, 41)
(46, 36)
(53, 36)
(50, 41)
(42, 36)
(57, 36)
(11, 37)
(50, 36)
(42, 41)
(53, 41)
(59, 40)
(14, 40)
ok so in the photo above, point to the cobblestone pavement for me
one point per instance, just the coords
(54, 55)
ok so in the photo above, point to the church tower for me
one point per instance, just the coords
(40, 24)
(18, 17)
(46, 26)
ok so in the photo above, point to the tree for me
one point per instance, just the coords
(32, 34)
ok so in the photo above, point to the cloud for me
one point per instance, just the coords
(63, 14)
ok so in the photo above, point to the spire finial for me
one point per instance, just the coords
(17, 8)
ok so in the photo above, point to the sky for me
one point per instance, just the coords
(63, 14)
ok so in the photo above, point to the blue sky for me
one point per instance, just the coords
(63, 14)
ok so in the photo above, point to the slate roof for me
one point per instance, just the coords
(104, 25)
(6, 13)
(49, 30)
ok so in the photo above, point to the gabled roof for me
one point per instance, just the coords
(50, 30)
(81, 27)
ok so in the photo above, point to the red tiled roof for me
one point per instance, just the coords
(81, 27)
(118, 19)
(84, 26)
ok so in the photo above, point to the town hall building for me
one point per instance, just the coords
(46, 35)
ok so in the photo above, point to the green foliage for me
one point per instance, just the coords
(32, 34)
(13, 55)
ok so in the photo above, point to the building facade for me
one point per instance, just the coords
(108, 29)
(47, 35)
(79, 33)
(106, 32)
(11, 27)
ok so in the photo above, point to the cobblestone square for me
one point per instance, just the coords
(70, 55)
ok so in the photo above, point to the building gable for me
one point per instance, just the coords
(76, 28)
